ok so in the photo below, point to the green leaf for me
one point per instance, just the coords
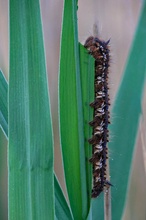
(3, 104)
(127, 110)
(71, 114)
(61, 206)
(3, 176)
(98, 207)
(30, 150)
(87, 64)
(62, 209)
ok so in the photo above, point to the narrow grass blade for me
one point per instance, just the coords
(30, 151)
(3, 176)
(126, 112)
(98, 207)
(3, 104)
(62, 209)
(87, 85)
(71, 114)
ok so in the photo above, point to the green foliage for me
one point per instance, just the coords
(3, 104)
(87, 81)
(62, 209)
(71, 114)
(30, 151)
(127, 108)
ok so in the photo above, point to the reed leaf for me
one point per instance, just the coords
(3, 104)
(62, 209)
(30, 150)
(127, 111)
(71, 114)
(87, 86)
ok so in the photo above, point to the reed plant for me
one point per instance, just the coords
(34, 191)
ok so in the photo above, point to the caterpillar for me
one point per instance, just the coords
(100, 51)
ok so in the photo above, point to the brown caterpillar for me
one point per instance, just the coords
(100, 51)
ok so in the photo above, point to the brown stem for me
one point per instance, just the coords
(107, 197)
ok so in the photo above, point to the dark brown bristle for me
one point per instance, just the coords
(100, 51)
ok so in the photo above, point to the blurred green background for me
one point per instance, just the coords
(116, 20)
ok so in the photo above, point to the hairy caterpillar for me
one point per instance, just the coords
(100, 51)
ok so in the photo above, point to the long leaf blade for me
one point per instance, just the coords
(3, 104)
(127, 109)
(61, 206)
(71, 114)
(62, 209)
(30, 153)
(87, 84)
